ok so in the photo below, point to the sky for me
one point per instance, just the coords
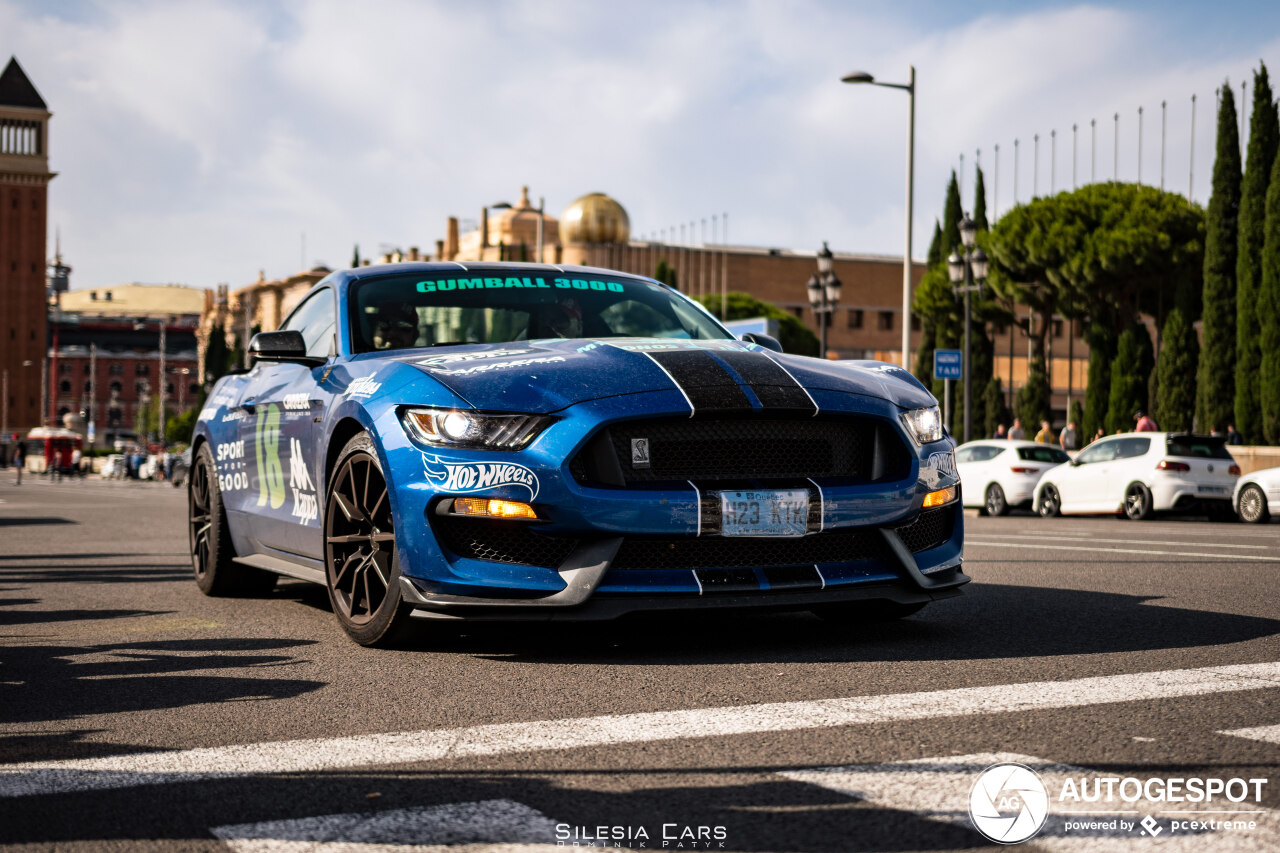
(202, 142)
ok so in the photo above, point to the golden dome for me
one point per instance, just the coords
(595, 218)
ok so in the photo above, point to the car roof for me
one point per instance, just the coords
(481, 266)
(1005, 443)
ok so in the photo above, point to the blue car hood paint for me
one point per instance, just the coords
(549, 375)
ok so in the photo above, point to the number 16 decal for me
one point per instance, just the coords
(267, 442)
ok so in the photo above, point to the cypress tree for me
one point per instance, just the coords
(996, 410)
(951, 216)
(1129, 371)
(1268, 309)
(1176, 369)
(355, 257)
(935, 246)
(980, 203)
(1102, 350)
(1264, 139)
(1033, 398)
(1215, 382)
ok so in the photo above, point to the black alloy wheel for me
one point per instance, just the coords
(1253, 505)
(1137, 502)
(996, 503)
(209, 537)
(1050, 502)
(361, 565)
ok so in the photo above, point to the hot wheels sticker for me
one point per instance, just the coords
(478, 476)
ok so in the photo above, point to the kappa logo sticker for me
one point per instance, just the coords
(478, 476)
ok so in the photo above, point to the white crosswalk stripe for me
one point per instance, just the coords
(938, 789)
(1268, 734)
(123, 771)
(502, 826)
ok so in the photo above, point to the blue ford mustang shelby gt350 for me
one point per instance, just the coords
(527, 441)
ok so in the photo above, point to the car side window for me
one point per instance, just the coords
(1131, 448)
(986, 453)
(1100, 452)
(315, 319)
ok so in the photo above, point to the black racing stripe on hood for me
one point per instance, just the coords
(776, 388)
(703, 380)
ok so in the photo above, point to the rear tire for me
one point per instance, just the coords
(1253, 505)
(995, 503)
(1050, 502)
(210, 538)
(1137, 502)
(853, 612)
(362, 563)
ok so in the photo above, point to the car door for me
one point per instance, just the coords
(285, 403)
(1127, 466)
(1081, 485)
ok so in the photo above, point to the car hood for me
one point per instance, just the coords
(547, 375)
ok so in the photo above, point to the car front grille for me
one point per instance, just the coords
(725, 449)
(502, 541)
(734, 552)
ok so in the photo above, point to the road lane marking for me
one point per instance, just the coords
(1247, 558)
(320, 754)
(1128, 541)
(937, 789)
(1269, 734)
(506, 824)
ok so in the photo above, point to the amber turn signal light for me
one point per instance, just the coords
(493, 508)
(940, 497)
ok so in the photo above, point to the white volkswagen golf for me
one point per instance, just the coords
(1257, 495)
(999, 473)
(1140, 473)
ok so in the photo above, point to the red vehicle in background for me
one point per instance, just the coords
(54, 445)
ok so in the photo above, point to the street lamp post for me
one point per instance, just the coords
(968, 273)
(910, 88)
(824, 293)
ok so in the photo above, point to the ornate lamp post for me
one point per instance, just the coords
(824, 293)
(968, 274)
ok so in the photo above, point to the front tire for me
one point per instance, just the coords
(362, 565)
(1137, 502)
(995, 503)
(1050, 502)
(1253, 505)
(212, 553)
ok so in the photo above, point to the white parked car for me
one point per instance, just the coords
(1257, 495)
(996, 474)
(1139, 473)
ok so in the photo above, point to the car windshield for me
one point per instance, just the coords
(1051, 455)
(1198, 446)
(453, 307)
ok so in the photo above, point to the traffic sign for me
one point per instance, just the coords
(948, 364)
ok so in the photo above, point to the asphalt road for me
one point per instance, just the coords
(137, 714)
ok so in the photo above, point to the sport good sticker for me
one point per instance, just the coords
(478, 476)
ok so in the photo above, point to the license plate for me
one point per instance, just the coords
(764, 513)
(1212, 490)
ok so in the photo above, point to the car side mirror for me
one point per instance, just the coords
(767, 341)
(285, 346)
(1074, 463)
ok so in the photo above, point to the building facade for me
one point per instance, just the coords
(24, 189)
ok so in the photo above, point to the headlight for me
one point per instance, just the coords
(925, 425)
(460, 428)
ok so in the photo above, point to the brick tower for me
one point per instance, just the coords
(24, 214)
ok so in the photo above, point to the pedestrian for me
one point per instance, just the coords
(1016, 432)
(76, 457)
(1233, 437)
(1069, 438)
(20, 459)
(1000, 431)
(1101, 433)
(1144, 422)
(1214, 430)
(1045, 435)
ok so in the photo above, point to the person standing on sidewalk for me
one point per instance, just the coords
(20, 459)
(1069, 439)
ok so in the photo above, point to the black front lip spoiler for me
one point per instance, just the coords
(587, 566)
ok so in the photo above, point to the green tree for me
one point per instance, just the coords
(924, 355)
(1033, 398)
(1176, 371)
(1097, 396)
(665, 273)
(1269, 314)
(1075, 415)
(1215, 382)
(1264, 140)
(980, 203)
(216, 355)
(1129, 372)
(792, 334)
(180, 427)
(355, 257)
(995, 410)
